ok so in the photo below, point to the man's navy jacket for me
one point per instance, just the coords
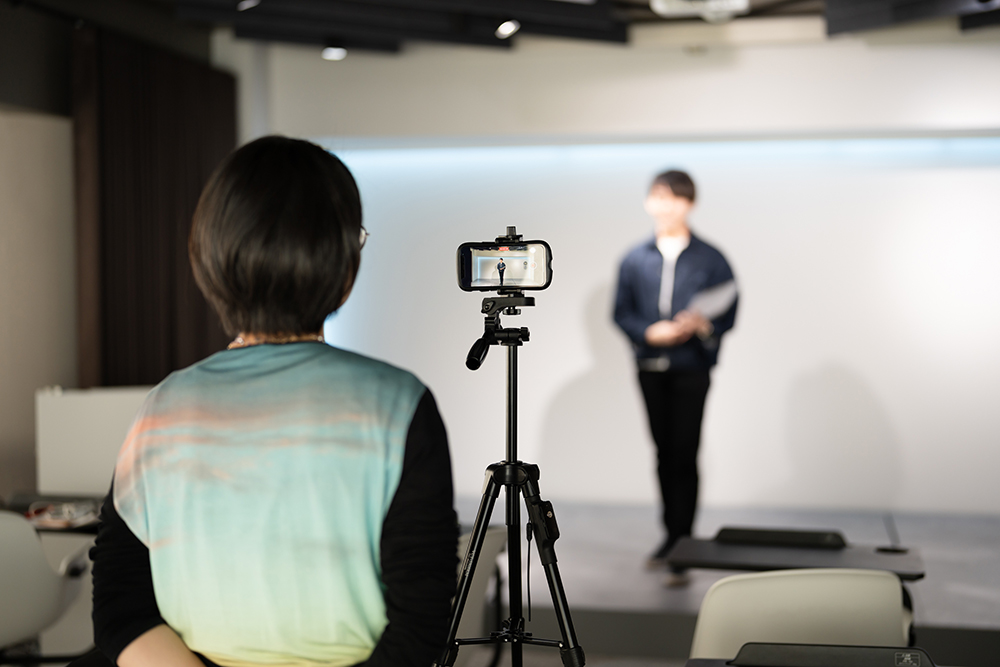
(699, 267)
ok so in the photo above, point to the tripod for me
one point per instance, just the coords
(515, 477)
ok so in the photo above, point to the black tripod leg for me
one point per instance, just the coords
(479, 529)
(546, 530)
(515, 622)
(571, 653)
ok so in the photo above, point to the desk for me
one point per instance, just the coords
(714, 555)
(22, 502)
(814, 655)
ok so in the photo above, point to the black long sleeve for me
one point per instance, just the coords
(124, 601)
(419, 548)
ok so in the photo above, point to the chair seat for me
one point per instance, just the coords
(821, 606)
(34, 596)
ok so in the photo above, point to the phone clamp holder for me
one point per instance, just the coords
(495, 334)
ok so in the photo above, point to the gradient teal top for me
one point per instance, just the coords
(259, 479)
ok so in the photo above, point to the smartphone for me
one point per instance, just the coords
(486, 267)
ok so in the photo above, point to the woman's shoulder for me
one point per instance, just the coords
(368, 368)
(317, 366)
(297, 377)
(365, 383)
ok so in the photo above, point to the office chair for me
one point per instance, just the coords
(474, 616)
(822, 606)
(33, 595)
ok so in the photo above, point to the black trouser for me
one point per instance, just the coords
(675, 403)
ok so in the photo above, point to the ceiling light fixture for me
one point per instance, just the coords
(334, 53)
(507, 28)
(244, 5)
(713, 11)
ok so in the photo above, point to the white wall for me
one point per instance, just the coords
(773, 77)
(37, 297)
(863, 365)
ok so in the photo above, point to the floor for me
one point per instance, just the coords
(602, 551)
(541, 657)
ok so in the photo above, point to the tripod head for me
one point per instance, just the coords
(509, 302)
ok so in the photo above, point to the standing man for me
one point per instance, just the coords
(500, 267)
(676, 298)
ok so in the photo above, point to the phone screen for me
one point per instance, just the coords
(493, 266)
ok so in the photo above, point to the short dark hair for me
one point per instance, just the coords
(275, 241)
(678, 181)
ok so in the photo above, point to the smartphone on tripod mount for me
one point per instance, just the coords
(492, 266)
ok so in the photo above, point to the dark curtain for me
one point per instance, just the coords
(149, 128)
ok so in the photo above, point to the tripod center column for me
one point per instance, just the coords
(511, 403)
(513, 498)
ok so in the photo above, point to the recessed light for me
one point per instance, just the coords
(244, 5)
(507, 28)
(334, 53)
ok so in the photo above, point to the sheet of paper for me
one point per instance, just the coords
(714, 301)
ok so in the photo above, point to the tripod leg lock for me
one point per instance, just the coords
(543, 517)
(573, 657)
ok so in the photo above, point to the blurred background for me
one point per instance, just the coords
(847, 156)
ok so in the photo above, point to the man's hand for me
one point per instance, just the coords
(667, 333)
(695, 322)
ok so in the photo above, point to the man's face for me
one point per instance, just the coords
(669, 210)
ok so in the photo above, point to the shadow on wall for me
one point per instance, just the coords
(842, 450)
(595, 444)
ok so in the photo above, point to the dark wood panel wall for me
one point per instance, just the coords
(149, 126)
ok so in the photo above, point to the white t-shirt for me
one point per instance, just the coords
(671, 248)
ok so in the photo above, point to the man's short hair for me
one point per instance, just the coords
(679, 183)
(275, 242)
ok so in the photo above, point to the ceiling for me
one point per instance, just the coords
(387, 25)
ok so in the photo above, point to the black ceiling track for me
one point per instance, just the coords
(981, 20)
(859, 15)
(383, 25)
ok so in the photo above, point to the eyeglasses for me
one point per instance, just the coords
(364, 236)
